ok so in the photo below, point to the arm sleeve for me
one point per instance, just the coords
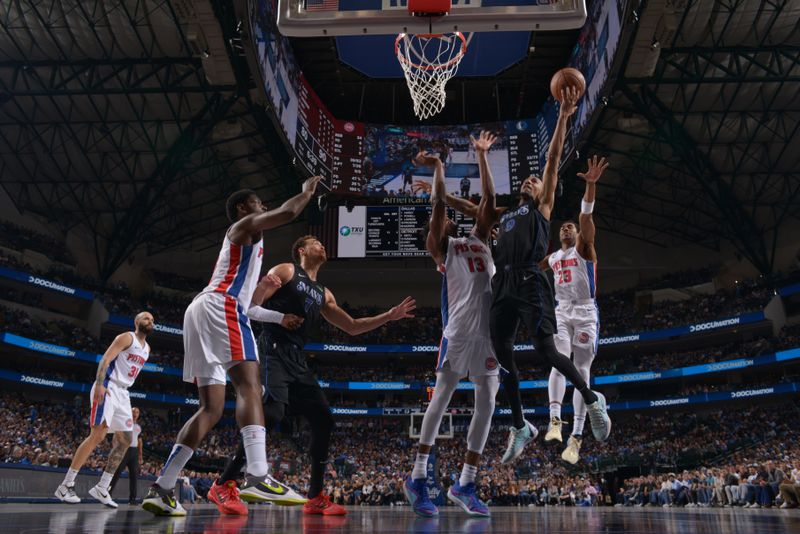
(257, 313)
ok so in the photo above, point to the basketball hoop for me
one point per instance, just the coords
(429, 61)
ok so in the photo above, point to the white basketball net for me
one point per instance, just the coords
(428, 62)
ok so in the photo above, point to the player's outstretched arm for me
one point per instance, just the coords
(120, 343)
(461, 205)
(436, 240)
(487, 214)
(287, 212)
(587, 232)
(569, 103)
(344, 321)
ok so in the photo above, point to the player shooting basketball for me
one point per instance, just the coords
(521, 292)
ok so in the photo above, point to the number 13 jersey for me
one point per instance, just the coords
(575, 277)
(466, 288)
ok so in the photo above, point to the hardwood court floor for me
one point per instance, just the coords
(91, 518)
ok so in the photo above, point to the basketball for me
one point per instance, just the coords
(567, 77)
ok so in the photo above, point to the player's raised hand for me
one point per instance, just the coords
(291, 321)
(596, 167)
(484, 141)
(420, 186)
(310, 185)
(426, 159)
(404, 310)
(569, 101)
(270, 281)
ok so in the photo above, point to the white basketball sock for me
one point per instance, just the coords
(555, 410)
(105, 480)
(420, 467)
(176, 461)
(70, 478)
(468, 473)
(255, 450)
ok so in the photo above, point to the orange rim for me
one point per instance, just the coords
(456, 59)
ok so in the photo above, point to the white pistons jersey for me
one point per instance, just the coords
(124, 369)
(575, 277)
(236, 271)
(466, 288)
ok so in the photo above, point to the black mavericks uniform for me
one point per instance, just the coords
(288, 379)
(289, 383)
(520, 289)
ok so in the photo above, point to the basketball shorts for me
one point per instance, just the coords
(288, 379)
(468, 357)
(115, 409)
(578, 328)
(521, 295)
(216, 336)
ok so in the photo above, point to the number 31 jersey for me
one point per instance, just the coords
(124, 369)
(466, 288)
(575, 277)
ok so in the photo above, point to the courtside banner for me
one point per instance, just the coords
(56, 383)
(45, 283)
(698, 328)
(127, 322)
(58, 350)
(641, 376)
(716, 396)
(789, 290)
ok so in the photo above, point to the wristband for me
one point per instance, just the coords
(587, 207)
(257, 313)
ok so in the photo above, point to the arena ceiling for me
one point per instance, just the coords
(132, 119)
(702, 127)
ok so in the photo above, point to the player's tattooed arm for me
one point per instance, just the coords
(120, 343)
(344, 321)
(587, 231)
(569, 104)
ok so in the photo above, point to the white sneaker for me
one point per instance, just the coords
(67, 494)
(270, 490)
(598, 417)
(517, 439)
(572, 453)
(785, 505)
(103, 496)
(554, 430)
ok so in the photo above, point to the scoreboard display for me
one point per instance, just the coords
(389, 231)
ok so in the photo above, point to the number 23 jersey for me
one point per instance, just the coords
(575, 277)
(466, 288)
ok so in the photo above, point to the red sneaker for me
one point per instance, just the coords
(322, 505)
(226, 497)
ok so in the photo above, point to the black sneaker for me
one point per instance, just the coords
(162, 502)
